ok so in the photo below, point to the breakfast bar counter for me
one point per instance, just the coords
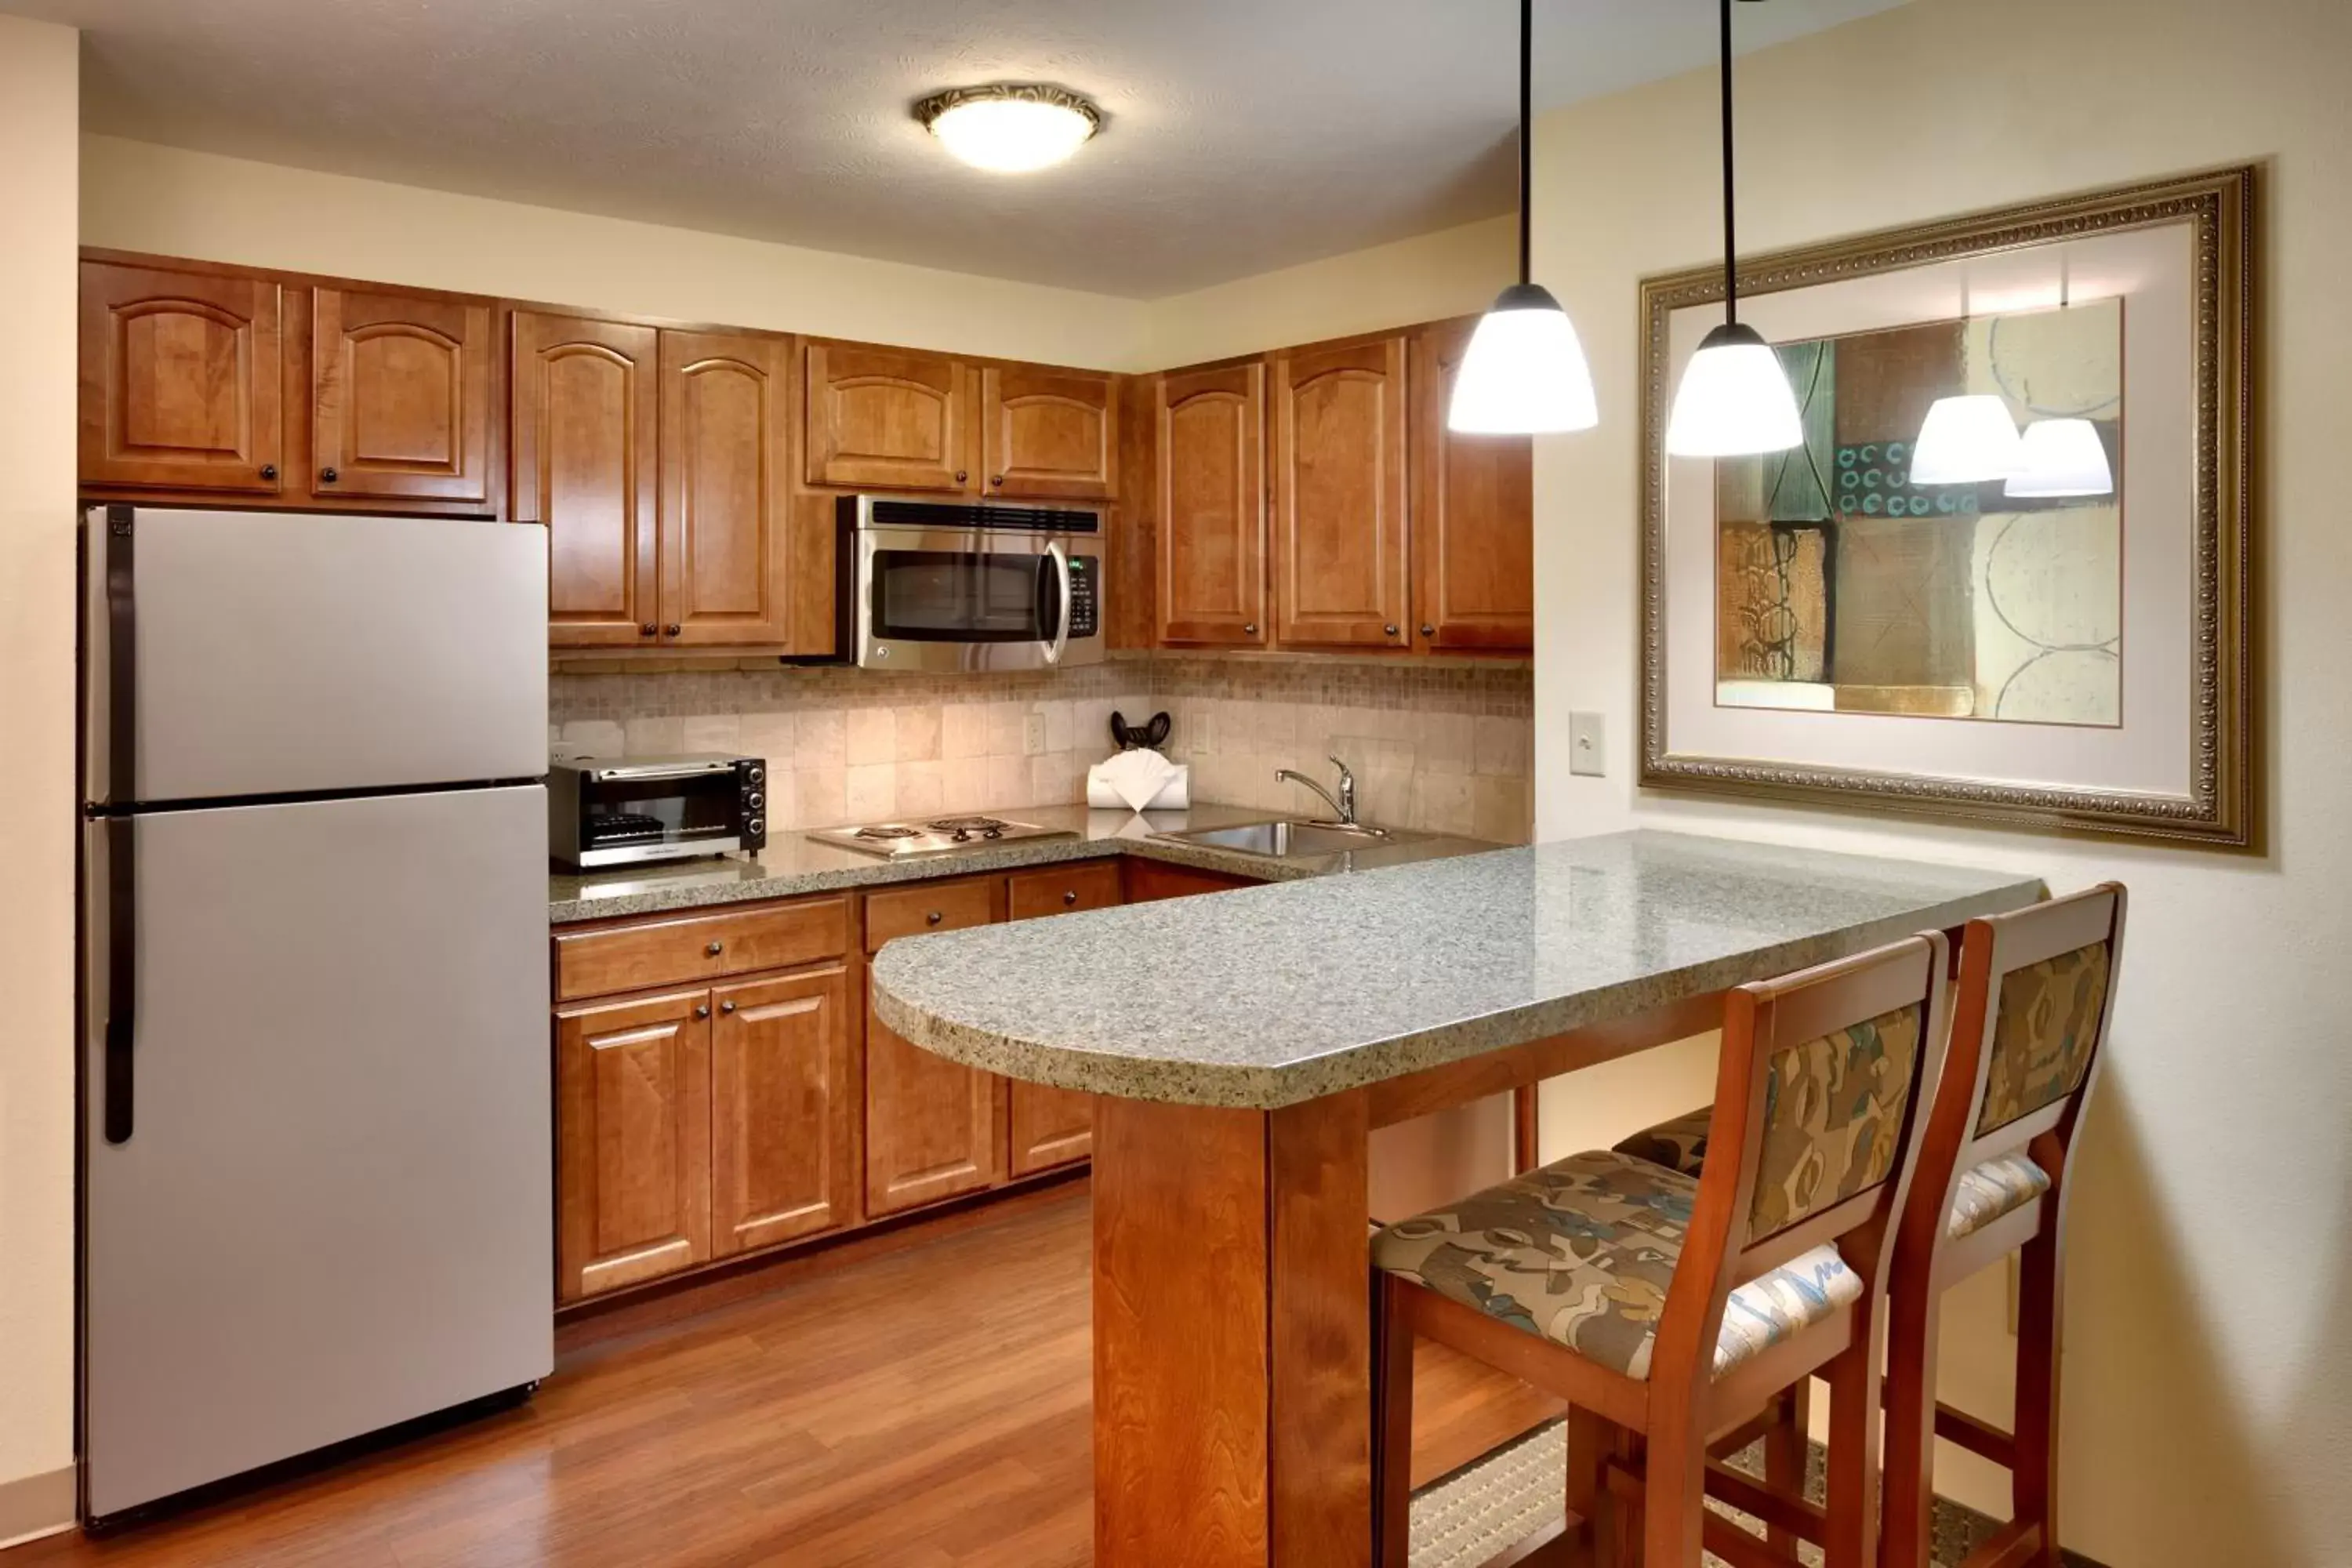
(1246, 1045)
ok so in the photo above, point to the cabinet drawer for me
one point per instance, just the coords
(927, 907)
(699, 947)
(1064, 890)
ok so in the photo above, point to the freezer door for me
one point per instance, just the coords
(266, 654)
(329, 1208)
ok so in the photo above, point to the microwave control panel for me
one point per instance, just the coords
(1085, 602)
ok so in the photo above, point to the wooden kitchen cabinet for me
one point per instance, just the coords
(888, 419)
(934, 1128)
(587, 452)
(1473, 515)
(632, 1141)
(401, 391)
(1210, 506)
(1151, 881)
(783, 1120)
(725, 558)
(1341, 546)
(180, 381)
(1048, 435)
(1053, 1126)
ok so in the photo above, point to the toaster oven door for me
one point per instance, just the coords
(953, 599)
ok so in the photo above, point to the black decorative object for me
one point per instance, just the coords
(1131, 737)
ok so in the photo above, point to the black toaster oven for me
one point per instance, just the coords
(602, 813)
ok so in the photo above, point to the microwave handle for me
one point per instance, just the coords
(1060, 556)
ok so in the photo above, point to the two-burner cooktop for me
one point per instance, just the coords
(939, 835)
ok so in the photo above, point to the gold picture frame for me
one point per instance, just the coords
(2216, 802)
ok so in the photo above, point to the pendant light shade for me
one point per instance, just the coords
(2062, 457)
(1735, 399)
(1525, 372)
(1967, 440)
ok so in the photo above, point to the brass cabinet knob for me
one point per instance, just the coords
(726, 1006)
(673, 628)
(996, 478)
(327, 475)
(932, 919)
(1389, 628)
(1070, 897)
(961, 474)
(268, 470)
(1250, 628)
(648, 629)
(1427, 630)
(715, 949)
(702, 1010)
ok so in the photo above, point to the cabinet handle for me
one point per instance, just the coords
(932, 919)
(702, 1010)
(726, 1006)
(672, 628)
(1070, 897)
(996, 478)
(327, 475)
(715, 949)
(961, 474)
(1427, 630)
(1250, 628)
(268, 470)
(1389, 628)
(648, 629)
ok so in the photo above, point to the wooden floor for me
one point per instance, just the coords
(920, 1402)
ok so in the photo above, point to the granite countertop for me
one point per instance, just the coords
(793, 863)
(1266, 997)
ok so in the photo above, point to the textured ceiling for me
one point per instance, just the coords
(1241, 135)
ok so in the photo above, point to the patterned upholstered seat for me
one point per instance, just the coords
(1982, 1196)
(1581, 1252)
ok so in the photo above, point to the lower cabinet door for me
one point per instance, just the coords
(632, 1141)
(1050, 1127)
(934, 1129)
(783, 1111)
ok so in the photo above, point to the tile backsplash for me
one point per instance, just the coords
(1441, 747)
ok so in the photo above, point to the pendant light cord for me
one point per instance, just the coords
(1731, 242)
(1527, 140)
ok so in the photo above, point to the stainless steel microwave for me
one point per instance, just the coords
(947, 586)
(610, 813)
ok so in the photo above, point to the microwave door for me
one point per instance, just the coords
(952, 600)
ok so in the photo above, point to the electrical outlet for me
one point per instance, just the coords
(1588, 750)
(1033, 735)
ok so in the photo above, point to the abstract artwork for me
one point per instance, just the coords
(2004, 574)
(1845, 586)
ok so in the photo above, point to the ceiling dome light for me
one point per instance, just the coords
(1968, 440)
(2062, 457)
(1011, 129)
(1735, 400)
(1524, 373)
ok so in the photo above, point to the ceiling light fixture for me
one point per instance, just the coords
(1012, 128)
(1525, 372)
(1735, 399)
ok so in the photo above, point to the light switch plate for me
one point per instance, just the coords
(1033, 735)
(1588, 750)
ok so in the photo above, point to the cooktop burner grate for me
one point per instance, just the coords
(967, 825)
(889, 830)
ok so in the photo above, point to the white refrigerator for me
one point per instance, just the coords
(315, 1139)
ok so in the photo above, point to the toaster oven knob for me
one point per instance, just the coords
(755, 800)
(756, 774)
(756, 827)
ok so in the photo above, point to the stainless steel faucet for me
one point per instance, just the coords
(1343, 806)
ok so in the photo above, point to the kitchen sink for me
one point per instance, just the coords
(1289, 840)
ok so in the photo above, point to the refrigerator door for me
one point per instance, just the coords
(329, 1207)
(266, 654)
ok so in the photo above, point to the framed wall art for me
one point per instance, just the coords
(2005, 574)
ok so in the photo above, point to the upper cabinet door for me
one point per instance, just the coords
(400, 389)
(586, 450)
(784, 1109)
(1211, 506)
(725, 560)
(1474, 516)
(179, 380)
(888, 419)
(1341, 541)
(1048, 435)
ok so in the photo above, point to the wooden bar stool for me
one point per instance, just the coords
(2031, 1014)
(1674, 1312)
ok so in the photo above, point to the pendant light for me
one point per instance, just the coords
(1735, 399)
(2062, 457)
(1525, 372)
(1967, 440)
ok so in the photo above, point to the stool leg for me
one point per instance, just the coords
(1673, 1501)
(2036, 1480)
(1622, 1516)
(1914, 1313)
(1591, 1443)
(1392, 1404)
(1852, 1538)
(1784, 1456)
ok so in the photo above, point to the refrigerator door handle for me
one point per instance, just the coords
(122, 975)
(122, 661)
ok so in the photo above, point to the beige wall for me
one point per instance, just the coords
(139, 197)
(1452, 272)
(2208, 1368)
(40, 98)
